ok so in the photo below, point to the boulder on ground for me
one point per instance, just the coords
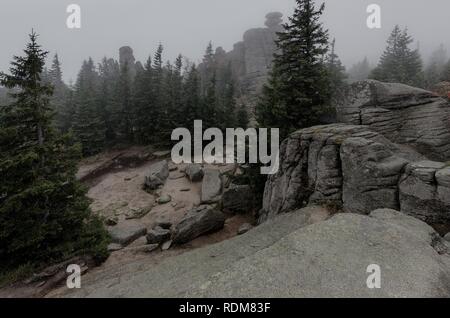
(194, 172)
(237, 199)
(211, 186)
(244, 228)
(158, 235)
(126, 232)
(157, 175)
(198, 221)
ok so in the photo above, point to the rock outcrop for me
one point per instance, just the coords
(345, 165)
(288, 257)
(403, 114)
(358, 170)
(251, 59)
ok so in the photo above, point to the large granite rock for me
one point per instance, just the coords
(403, 114)
(425, 192)
(199, 221)
(211, 186)
(358, 170)
(287, 257)
(251, 60)
(343, 165)
(157, 175)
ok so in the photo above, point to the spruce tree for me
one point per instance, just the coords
(144, 104)
(89, 126)
(192, 98)
(336, 72)
(297, 91)
(60, 99)
(44, 213)
(399, 63)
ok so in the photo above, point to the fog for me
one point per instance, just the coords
(186, 26)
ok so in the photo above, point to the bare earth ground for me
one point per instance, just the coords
(119, 193)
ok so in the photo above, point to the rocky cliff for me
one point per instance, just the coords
(381, 164)
(251, 59)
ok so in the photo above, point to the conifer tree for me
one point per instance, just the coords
(60, 99)
(144, 104)
(336, 72)
(44, 213)
(192, 98)
(297, 90)
(399, 63)
(89, 126)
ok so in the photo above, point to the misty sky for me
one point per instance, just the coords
(186, 26)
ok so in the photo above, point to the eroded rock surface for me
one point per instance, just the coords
(157, 175)
(344, 165)
(288, 257)
(403, 114)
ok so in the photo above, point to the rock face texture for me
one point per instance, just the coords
(359, 170)
(288, 257)
(344, 165)
(199, 221)
(404, 114)
(157, 175)
(425, 191)
(251, 59)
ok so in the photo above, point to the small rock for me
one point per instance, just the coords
(111, 221)
(164, 225)
(158, 235)
(447, 237)
(244, 228)
(194, 172)
(172, 167)
(113, 247)
(164, 199)
(166, 245)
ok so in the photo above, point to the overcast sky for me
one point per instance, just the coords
(186, 26)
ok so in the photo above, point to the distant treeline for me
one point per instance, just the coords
(112, 104)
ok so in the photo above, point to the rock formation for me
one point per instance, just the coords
(404, 114)
(126, 59)
(251, 59)
(289, 257)
(379, 159)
